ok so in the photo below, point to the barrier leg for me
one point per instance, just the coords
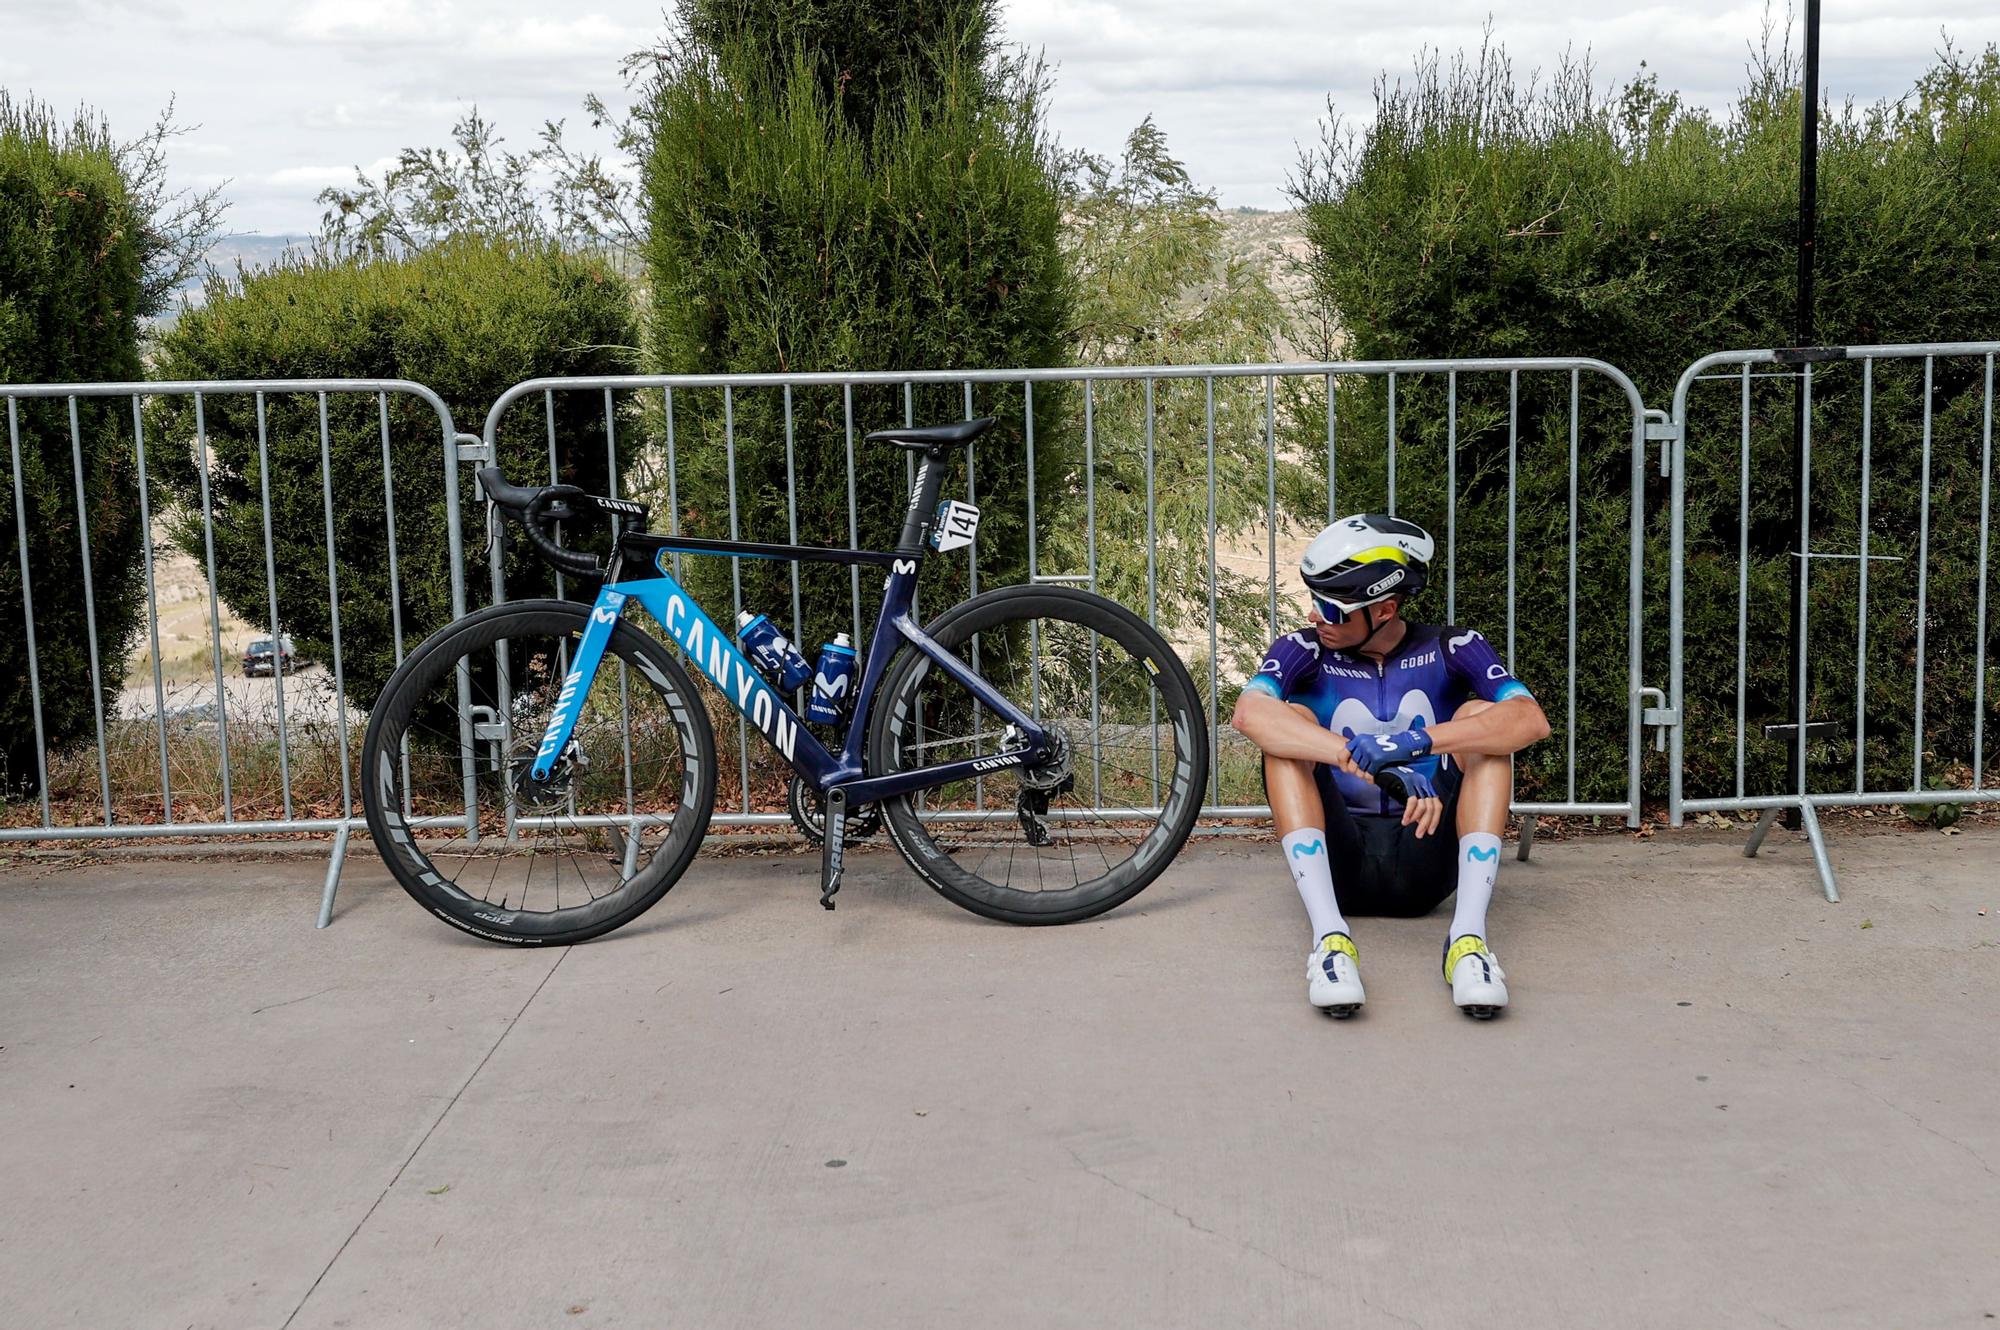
(1528, 825)
(631, 864)
(333, 867)
(1757, 834)
(1820, 861)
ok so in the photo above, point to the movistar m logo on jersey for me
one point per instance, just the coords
(719, 660)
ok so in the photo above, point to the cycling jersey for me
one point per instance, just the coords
(1430, 673)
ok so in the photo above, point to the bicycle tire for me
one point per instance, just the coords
(896, 719)
(652, 664)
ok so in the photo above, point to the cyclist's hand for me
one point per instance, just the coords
(1372, 752)
(1422, 808)
(1341, 758)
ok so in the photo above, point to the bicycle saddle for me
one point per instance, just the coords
(927, 438)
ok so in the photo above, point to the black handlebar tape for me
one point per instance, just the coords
(572, 561)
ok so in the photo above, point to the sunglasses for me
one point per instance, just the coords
(1331, 612)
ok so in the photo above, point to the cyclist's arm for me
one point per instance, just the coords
(1281, 731)
(1264, 716)
(1515, 719)
(1500, 730)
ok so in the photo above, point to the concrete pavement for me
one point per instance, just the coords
(1717, 1102)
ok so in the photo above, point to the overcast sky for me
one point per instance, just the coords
(289, 96)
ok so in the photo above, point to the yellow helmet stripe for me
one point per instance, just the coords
(1380, 552)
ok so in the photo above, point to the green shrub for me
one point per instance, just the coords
(799, 228)
(1476, 217)
(468, 319)
(71, 295)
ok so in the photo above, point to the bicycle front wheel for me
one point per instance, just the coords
(467, 832)
(1091, 828)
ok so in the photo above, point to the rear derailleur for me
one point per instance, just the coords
(1052, 778)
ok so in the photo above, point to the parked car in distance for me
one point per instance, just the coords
(258, 658)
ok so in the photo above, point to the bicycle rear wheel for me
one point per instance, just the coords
(448, 751)
(1087, 831)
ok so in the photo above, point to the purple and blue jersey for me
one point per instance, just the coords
(1432, 671)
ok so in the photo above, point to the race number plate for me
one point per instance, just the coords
(956, 522)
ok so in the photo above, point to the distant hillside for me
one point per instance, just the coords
(247, 250)
(1276, 243)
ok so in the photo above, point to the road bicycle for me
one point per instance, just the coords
(1037, 752)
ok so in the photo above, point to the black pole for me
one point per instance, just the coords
(1805, 334)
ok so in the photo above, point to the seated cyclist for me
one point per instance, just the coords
(1382, 740)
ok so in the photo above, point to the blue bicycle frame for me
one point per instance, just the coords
(712, 651)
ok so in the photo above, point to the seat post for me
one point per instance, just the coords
(923, 503)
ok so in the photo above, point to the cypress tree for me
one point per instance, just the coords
(849, 185)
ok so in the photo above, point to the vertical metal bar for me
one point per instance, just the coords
(214, 612)
(1090, 545)
(972, 497)
(1804, 582)
(1513, 490)
(1271, 500)
(1742, 579)
(555, 478)
(735, 581)
(468, 757)
(1570, 727)
(972, 569)
(389, 516)
(1214, 736)
(1451, 497)
(792, 534)
(28, 607)
(1034, 630)
(90, 612)
(1332, 414)
(853, 527)
(1923, 583)
(562, 593)
(333, 609)
(1152, 587)
(1861, 637)
(673, 481)
(271, 593)
(1635, 598)
(624, 672)
(395, 583)
(910, 484)
(152, 612)
(1392, 443)
(1985, 526)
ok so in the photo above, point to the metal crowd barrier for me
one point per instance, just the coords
(1857, 683)
(206, 709)
(1255, 409)
(1479, 449)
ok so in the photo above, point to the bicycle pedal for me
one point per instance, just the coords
(833, 846)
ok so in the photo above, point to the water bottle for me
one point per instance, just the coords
(833, 681)
(772, 650)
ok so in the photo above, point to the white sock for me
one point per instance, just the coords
(1305, 855)
(1478, 865)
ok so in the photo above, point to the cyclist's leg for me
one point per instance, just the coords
(1485, 790)
(1313, 829)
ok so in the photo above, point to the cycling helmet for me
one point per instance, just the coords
(1366, 558)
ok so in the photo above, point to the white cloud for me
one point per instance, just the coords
(282, 91)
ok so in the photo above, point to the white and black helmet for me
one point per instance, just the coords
(1367, 558)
